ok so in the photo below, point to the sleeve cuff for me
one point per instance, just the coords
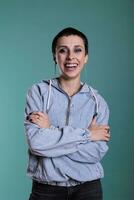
(88, 134)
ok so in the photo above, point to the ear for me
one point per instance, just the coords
(86, 59)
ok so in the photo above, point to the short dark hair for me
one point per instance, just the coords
(66, 32)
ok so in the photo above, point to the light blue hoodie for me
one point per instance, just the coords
(64, 153)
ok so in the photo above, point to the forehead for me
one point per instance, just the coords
(72, 40)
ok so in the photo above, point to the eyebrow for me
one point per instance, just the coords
(64, 46)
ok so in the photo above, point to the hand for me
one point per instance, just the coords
(99, 132)
(39, 118)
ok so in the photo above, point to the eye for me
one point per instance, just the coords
(77, 50)
(62, 50)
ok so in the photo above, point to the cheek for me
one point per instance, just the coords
(82, 59)
(59, 58)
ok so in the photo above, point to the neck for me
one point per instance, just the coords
(70, 86)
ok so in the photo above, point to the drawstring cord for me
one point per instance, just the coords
(96, 102)
(95, 98)
(49, 95)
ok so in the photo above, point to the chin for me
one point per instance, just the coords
(73, 76)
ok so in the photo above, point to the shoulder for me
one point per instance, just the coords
(39, 88)
(100, 98)
(103, 109)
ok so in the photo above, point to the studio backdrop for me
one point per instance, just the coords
(27, 28)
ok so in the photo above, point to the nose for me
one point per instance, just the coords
(70, 55)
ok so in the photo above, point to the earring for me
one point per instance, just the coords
(86, 59)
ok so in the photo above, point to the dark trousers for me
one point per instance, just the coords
(90, 190)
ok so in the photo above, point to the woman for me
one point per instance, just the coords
(66, 127)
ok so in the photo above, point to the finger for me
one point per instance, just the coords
(109, 135)
(93, 121)
(36, 121)
(104, 127)
(33, 115)
(108, 130)
(36, 115)
(34, 118)
(106, 137)
(41, 114)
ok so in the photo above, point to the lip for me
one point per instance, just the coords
(70, 65)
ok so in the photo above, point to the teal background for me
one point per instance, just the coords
(27, 28)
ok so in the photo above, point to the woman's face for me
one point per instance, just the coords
(70, 56)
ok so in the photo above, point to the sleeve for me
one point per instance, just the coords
(49, 142)
(93, 152)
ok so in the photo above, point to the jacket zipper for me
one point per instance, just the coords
(68, 111)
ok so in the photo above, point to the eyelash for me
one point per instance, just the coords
(77, 50)
(62, 51)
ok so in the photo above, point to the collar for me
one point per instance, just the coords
(84, 89)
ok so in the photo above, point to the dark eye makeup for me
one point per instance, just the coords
(63, 50)
(77, 50)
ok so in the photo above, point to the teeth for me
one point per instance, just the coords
(71, 65)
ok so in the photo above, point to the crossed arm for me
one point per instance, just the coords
(91, 151)
(80, 145)
(98, 132)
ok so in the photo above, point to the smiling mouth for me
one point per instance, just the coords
(71, 65)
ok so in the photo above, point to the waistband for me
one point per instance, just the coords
(59, 185)
(63, 184)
